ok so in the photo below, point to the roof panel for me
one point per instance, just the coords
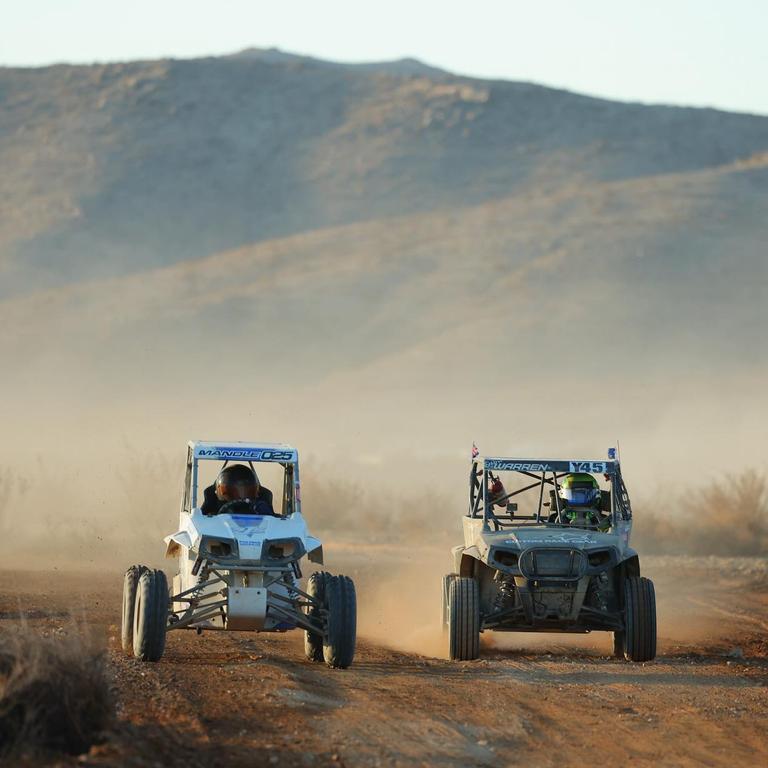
(593, 466)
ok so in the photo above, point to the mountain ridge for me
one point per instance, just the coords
(118, 167)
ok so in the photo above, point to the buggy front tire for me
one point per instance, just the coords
(313, 643)
(150, 616)
(463, 619)
(446, 588)
(130, 584)
(341, 603)
(639, 619)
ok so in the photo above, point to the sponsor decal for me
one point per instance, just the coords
(562, 538)
(249, 526)
(516, 466)
(253, 454)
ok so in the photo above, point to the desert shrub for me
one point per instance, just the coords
(54, 692)
(727, 516)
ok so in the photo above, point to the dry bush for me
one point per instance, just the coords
(54, 693)
(725, 517)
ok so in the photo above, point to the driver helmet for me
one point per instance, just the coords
(580, 490)
(237, 482)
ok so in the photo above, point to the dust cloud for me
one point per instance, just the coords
(393, 538)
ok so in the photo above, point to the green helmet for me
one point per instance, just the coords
(580, 490)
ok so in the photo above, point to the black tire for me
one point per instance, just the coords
(446, 587)
(313, 643)
(463, 619)
(639, 619)
(130, 582)
(339, 647)
(150, 616)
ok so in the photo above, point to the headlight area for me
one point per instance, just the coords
(282, 550)
(601, 559)
(504, 559)
(218, 549)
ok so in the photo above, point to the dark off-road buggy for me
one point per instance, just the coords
(527, 566)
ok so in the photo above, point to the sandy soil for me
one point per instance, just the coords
(247, 700)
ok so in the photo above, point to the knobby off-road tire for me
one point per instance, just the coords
(150, 616)
(639, 619)
(341, 602)
(130, 583)
(313, 643)
(445, 612)
(463, 619)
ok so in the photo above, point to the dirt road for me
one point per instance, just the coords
(248, 700)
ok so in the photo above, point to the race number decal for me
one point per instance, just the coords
(276, 455)
(593, 467)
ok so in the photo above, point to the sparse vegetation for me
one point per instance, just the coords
(727, 516)
(54, 692)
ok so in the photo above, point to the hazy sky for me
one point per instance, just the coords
(699, 52)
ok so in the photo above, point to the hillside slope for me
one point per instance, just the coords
(111, 169)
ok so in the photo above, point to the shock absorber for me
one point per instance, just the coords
(505, 585)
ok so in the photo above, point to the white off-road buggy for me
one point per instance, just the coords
(239, 569)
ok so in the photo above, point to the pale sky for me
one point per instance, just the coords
(693, 52)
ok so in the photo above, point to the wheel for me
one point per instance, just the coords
(639, 619)
(463, 619)
(130, 582)
(150, 616)
(446, 586)
(313, 643)
(340, 598)
(618, 645)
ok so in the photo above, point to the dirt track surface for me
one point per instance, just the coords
(248, 700)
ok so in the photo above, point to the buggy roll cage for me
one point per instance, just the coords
(543, 472)
(273, 453)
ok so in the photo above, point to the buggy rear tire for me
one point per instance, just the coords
(130, 583)
(639, 619)
(150, 616)
(341, 602)
(463, 619)
(313, 643)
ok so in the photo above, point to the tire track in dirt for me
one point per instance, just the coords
(394, 708)
(730, 613)
(238, 699)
